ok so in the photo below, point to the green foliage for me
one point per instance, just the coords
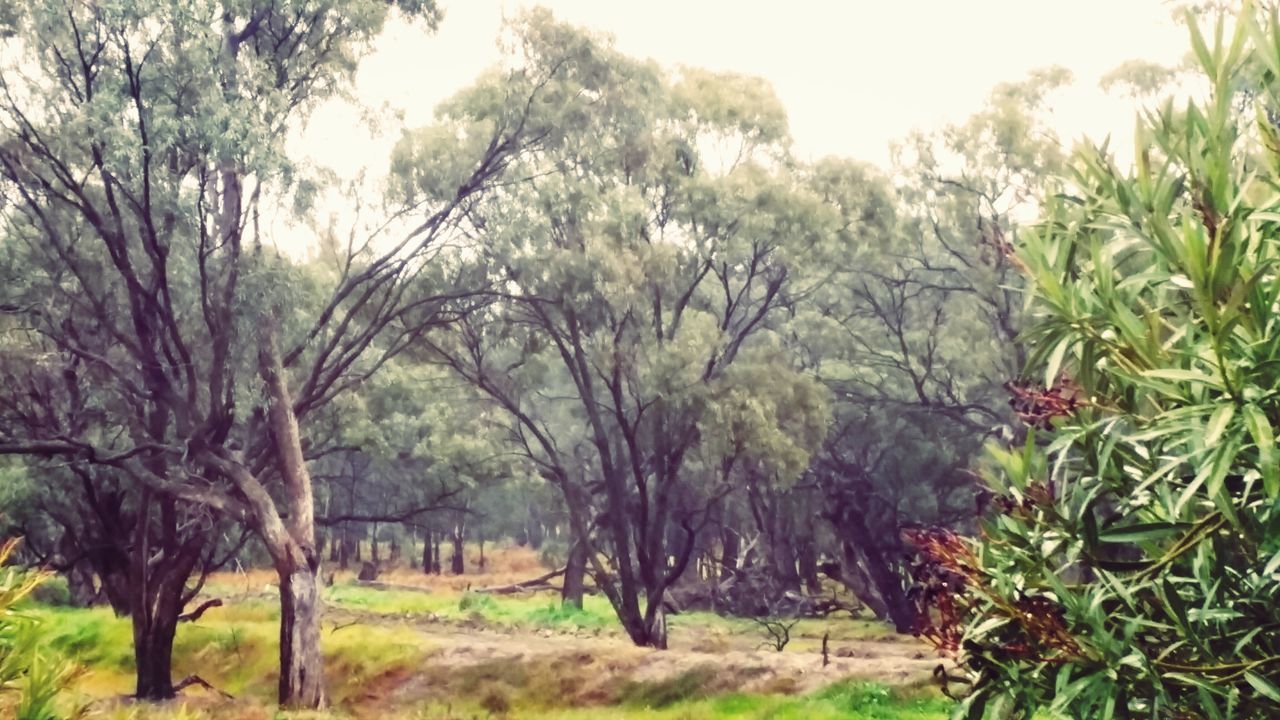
(1134, 567)
(476, 602)
(92, 637)
(26, 665)
(53, 590)
(1137, 78)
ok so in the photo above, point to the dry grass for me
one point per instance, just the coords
(504, 565)
(446, 654)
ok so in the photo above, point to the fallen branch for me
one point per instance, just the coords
(518, 588)
(190, 680)
(336, 628)
(194, 615)
(379, 585)
(536, 584)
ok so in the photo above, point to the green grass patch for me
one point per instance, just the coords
(530, 611)
(235, 649)
(679, 699)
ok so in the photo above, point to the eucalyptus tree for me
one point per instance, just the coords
(412, 447)
(914, 331)
(140, 144)
(644, 270)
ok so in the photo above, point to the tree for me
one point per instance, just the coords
(643, 282)
(914, 332)
(140, 142)
(1128, 566)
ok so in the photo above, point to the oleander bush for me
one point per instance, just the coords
(1128, 563)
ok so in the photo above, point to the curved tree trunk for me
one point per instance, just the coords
(887, 582)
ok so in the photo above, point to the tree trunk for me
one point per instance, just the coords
(301, 665)
(575, 570)
(480, 540)
(851, 573)
(887, 582)
(159, 568)
(290, 541)
(153, 657)
(155, 622)
(458, 563)
(808, 556)
(373, 545)
(426, 552)
(651, 630)
(731, 547)
(534, 531)
(435, 554)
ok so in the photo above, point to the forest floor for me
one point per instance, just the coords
(439, 651)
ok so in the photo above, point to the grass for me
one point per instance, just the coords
(508, 611)
(386, 658)
(851, 701)
(854, 702)
(235, 649)
(543, 610)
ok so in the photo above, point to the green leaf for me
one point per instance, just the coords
(1264, 438)
(1218, 423)
(1180, 375)
(1141, 532)
(1264, 686)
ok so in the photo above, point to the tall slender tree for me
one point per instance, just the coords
(156, 333)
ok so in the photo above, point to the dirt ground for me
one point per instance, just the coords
(583, 667)
(588, 670)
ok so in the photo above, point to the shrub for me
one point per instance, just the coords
(53, 590)
(1130, 563)
(25, 667)
(476, 602)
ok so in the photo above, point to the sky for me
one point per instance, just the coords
(854, 75)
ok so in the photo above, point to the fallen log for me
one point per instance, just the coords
(379, 585)
(534, 585)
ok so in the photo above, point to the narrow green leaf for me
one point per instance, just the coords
(1264, 686)
(1218, 423)
(1264, 438)
(1141, 532)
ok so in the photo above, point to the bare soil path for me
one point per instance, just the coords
(577, 668)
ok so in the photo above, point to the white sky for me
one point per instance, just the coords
(854, 75)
